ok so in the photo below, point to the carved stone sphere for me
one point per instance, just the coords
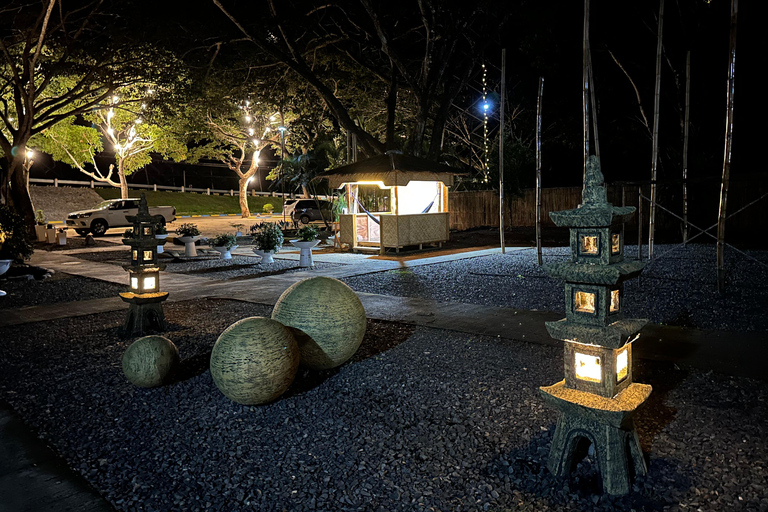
(327, 319)
(149, 361)
(254, 360)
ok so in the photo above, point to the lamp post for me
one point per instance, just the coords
(282, 162)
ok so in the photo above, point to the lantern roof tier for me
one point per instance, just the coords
(143, 298)
(595, 274)
(614, 335)
(142, 243)
(615, 412)
(143, 268)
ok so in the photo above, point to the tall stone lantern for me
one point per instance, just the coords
(597, 398)
(145, 312)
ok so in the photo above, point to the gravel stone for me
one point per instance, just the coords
(419, 419)
(59, 287)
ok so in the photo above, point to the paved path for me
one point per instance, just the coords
(35, 469)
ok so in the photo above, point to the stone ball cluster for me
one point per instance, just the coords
(318, 323)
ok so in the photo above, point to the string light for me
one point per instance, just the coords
(485, 124)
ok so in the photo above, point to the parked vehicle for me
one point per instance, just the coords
(113, 213)
(308, 210)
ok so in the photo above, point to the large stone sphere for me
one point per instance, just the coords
(327, 318)
(254, 360)
(149, 361)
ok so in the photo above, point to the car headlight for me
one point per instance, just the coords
(84, 215)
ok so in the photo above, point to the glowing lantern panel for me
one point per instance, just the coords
(614, 300)
(622, 365)
(615, 243)
(589, 245)
(588, 367)
(584, 302)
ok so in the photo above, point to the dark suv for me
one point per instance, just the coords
(306, 211)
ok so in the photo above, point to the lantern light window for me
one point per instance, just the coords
(614, 301)
(588, 367)
(589, 244)
(135, 254)
(615, 243)
(150, 283)
(148, 230)
(134, 283)
(622, 365)
(147, 255)
(584, 302)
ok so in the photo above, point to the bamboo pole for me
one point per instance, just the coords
(538, 169)
(501, 148)
(727, 153)
(685, 144)
(585, 86)
(594, 102)
(640, 222)
(655, 150)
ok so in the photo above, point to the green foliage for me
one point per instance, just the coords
(14, 238)
(268, 208)
(267, 236)
(40, 218)
(227, 240)
(307, 234)
(187, 229)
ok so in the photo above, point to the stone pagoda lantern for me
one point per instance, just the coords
(597, 398)
(145, 312)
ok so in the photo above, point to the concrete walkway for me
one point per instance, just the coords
(739, 354)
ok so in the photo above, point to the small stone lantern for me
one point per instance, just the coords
(145, 312)
(597, 398)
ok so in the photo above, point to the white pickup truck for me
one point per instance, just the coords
(113, 213)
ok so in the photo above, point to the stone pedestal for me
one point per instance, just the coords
(145, 314)
(607, 424)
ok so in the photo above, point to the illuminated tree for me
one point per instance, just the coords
(58, 62)
(122, 129)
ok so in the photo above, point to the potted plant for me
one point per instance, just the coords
(161, 233)
(14, 244)
(306, 241)
(40, 225)
(238, 229)
(268, 240)
(224, 243)
(268, 208)
(50, 233)
(189, 234)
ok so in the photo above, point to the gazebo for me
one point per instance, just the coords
(394, 201)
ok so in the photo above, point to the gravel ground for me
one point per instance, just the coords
(60, 287)
(440, 421)
(678, 288)
(243, 267)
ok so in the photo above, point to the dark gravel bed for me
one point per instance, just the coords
(60, 287)
(441, 421)
(678, 288)
(245, 267)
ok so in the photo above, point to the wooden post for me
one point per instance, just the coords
(655, 150)
(727, 153)
(538, 170)
(501, 148)
(685, 144)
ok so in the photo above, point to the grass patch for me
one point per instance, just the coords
(188, 203)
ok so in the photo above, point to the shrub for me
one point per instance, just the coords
(40, 218)
(268, 208)
(267, 236)
(14, 239)
(187, 229)
(307, 234)
(224, 240)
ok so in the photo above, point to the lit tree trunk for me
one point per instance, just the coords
(245, 212)
(18, 194)
(123, 180)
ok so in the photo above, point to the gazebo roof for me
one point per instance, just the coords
(393, 169)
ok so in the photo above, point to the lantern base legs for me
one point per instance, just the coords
(608, 426)
(144, 316)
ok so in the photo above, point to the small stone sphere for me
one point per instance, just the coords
(327, 318)
(254, 360)
(149, 361)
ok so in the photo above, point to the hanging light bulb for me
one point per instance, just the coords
(250, 131)
(247, 119)
(115, 99)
